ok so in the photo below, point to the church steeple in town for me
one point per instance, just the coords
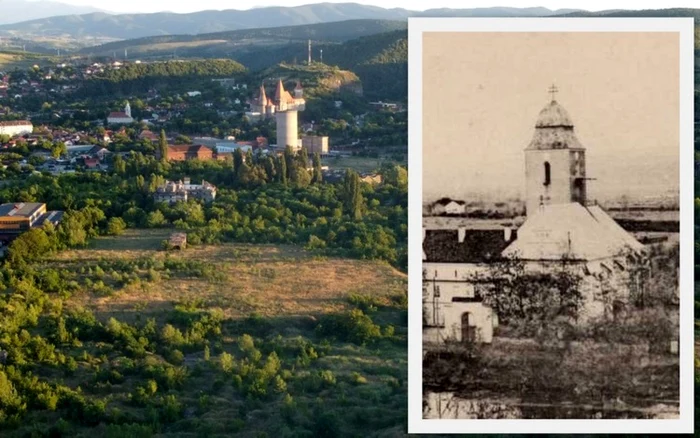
(555, 162)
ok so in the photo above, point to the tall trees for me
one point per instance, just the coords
(289, 160)
(163, 147)
(317, 173)
(237, 161)
(352, 195)
(281, 170)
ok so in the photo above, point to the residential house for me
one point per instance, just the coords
(188, 152)
(16, 127)
(180, 191)
(454, 264)
(448, 207)
(315, 144)
(371, 178)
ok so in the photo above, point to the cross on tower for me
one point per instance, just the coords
(553, 90)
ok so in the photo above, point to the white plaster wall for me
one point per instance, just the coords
(16, 130)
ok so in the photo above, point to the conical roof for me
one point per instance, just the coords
(554, 129)
(571, 231)
(553, 116)
(279, 91)
(263, 97)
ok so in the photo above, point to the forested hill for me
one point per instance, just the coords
(132, 78)
(232, 40)
(670, 12)
(379, 60)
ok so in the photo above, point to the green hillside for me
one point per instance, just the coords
(237, 41)
(132, 78)
(670, 12)
(10, 59)
(380, 61)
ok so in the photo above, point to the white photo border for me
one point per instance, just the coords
(416, 28)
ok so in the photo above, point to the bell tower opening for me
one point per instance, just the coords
(547, 174)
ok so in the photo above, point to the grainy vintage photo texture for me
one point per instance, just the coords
(550, 225)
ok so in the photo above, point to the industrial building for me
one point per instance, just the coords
(16, 218)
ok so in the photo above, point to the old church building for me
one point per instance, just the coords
(562, 230)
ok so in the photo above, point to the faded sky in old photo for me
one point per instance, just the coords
(482, 93)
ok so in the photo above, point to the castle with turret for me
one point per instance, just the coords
(284, 107)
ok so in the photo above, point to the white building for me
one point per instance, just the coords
(447, 206)
(453, 260)
(121, 118)
(16, 127)
(315, 144)
(176, 191)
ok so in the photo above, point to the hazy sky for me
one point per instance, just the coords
(482, 93)
(190, 6)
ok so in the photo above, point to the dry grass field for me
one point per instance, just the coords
(359, 164)
(263, 279)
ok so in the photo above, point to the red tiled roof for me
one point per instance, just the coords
(15, 123)
(188, 148)
(119, 114)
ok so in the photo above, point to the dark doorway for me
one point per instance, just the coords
(468, 330)
(579, 191)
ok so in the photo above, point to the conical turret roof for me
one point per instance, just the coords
(554, 129)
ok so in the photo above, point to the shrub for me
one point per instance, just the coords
(176, 357)
(171, 336)
(327, 377)
(207, 354)
(353, 326)
(357, 378)
(171, 409)
(366, 303)
(116, 226)
(226, 362)
(279, 384)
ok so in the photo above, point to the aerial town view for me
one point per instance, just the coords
(203, 219)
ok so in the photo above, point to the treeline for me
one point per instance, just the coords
(135, 78)
(260, 200)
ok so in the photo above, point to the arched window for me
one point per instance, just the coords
(547, 173)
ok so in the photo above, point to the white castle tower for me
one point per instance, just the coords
(286, 114)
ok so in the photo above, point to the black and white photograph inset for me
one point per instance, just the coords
(551, 193)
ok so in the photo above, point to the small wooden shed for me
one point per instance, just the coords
(178, 240)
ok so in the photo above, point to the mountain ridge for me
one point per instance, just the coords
(18, 11)
(129, 26)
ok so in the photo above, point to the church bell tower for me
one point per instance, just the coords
(555, 161)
